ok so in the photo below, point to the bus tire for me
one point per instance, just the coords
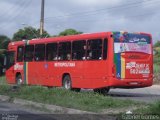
(103, 91)
(67, 82)
(19, 79)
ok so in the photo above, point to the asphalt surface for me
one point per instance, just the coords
(10, 111)
(148, 94)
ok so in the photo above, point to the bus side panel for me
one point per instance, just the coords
(95, 74)
(31, 75)
(77, 74)
(58, 69)
(54, 77)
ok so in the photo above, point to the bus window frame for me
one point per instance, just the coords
(84, 57)
(69, 53)
(7, 65)
(34, 55)
(101, 49)
(56, 59)
(18, 52)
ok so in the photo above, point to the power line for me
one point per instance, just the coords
(124, 6)
(139, 15)
(23, 7)
(47, 21)
(10, 9)
(98, 10)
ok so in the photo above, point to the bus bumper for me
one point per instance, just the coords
(131, 83)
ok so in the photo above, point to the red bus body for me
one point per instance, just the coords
(120, 70)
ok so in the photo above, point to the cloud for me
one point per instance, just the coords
(83, 15)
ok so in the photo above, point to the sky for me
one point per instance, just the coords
(88, 16)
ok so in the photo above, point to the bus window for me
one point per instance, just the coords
(28, 55)
(64, 50)
(78, 50)
(105, 49)
(51, 51)
(39, 52)
(94, 49)
(20, 54)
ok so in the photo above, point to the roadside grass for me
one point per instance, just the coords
(88, 100)
(156, 68)
(156, 73)
(152, 109)
(2, 80)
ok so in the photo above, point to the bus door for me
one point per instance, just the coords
(132, 56)
(40, 64)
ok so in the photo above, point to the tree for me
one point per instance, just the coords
(28, 33)
(4, 41)
(157, 44)
(157, 48)
(69, 32)
(44, 35)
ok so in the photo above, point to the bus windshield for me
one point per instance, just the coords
(131, 42)
(9, 60)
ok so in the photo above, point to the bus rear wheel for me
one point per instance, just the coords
(103, 91)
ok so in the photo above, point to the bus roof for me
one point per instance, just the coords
(66, 38)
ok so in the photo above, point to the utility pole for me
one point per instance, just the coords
(42, 17)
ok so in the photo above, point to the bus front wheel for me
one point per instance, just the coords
(19, 80)
(103, 91)
(67, 82)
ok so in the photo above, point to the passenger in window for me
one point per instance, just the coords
(29, 56)
(84, 47)
(50, 57)
(90, 55)
(68, 56)
(100, 55)
(60, 57)
(74, 56)
(55, 56)
(37, 59)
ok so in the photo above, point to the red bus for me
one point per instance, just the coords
(97, 61)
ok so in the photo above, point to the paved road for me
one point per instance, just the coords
(10, 111)
(148, 94)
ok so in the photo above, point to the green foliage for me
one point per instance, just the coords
(4, 41)
(69, 32)
(156, 69)
(157, 53)
(3, 80)
(157, 44)
(29, 33)
(44, 35)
